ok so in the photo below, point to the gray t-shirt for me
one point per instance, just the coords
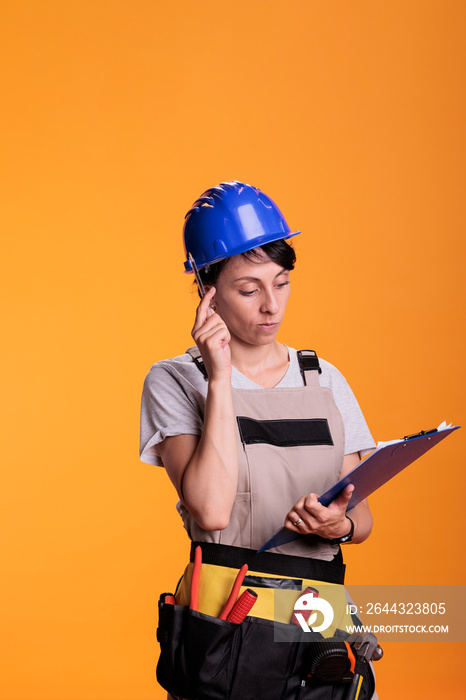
(174, 393)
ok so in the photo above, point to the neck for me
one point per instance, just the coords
(258, 359)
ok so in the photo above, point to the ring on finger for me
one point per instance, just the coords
(296, 522)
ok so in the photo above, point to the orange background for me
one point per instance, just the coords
(116, 116)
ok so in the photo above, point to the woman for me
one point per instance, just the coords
(250, 433)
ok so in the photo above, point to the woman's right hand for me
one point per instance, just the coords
(212, 337)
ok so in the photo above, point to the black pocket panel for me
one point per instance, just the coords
(265, 667)
(195, 653)
(285, 433)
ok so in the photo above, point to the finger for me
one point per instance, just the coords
(211, 336)
(296, 512)
(202, 311)
(343, 498)
(298, 518)
(312, 505)
(294, 522)
(211, 323)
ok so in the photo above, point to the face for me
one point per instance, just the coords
(251, 297)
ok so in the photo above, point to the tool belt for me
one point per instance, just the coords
(203, 657)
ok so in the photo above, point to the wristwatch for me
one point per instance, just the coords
(345, 538)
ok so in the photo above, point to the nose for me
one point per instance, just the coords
(269, 303)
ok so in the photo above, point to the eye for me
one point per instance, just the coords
(248, 293)
(283, 284)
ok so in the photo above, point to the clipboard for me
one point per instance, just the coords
(380, 466)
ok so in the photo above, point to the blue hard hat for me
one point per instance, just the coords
(229, 219)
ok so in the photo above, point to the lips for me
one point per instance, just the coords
(268, 326)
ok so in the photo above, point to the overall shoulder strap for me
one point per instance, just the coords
(308, 362)
(196, 355)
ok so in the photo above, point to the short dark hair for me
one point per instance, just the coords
(279, 252)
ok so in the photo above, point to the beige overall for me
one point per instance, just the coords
(271, 478)
(290, 443)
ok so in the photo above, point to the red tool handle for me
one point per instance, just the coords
(195, 578)
(234, 592)
(242, 606)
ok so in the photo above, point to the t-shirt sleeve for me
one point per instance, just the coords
(169, 406)
(358, 437)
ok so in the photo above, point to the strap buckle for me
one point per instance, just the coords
(308, 361)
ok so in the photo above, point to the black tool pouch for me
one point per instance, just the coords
(195, 653)
(205, 658)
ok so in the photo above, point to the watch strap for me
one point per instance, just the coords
(345, 538)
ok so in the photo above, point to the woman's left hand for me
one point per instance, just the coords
(309, 517)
